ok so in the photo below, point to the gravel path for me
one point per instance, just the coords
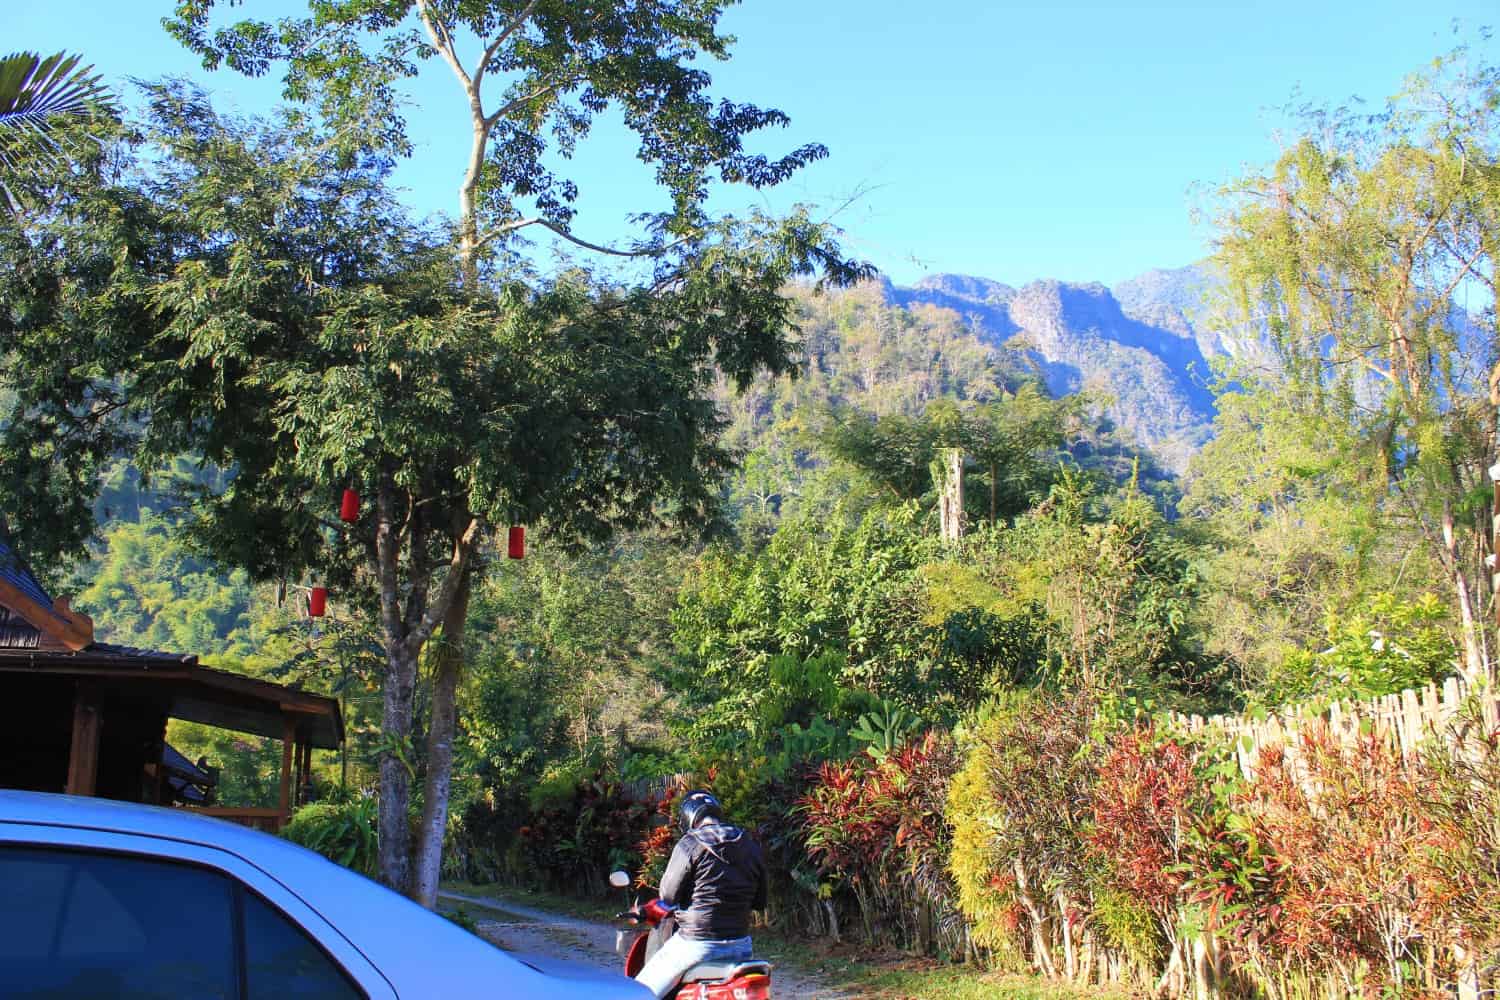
(517, 927)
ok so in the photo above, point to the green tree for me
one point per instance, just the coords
(1014, 441)
(545, 69)
(1387, 647)
(148, 589)
(288, 323)
(894, 452)
(1116, 583)
(1291, 534)
(878, 608)
(1350, 251)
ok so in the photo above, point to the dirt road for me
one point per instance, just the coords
(516, 927)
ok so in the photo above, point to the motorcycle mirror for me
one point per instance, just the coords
(620, 880)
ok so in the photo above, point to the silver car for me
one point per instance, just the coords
(110, 899)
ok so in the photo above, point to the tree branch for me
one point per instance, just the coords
(536, 220)
(508, 227)
(644, 252)
(463, 549)
(443, 42)
(506, 32)
(525, 99)
(421, 574)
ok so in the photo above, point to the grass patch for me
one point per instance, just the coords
(854, 972)
(462, 916)
(927, 980)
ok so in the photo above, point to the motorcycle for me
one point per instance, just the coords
(651, 924)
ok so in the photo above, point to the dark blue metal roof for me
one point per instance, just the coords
(14, 572)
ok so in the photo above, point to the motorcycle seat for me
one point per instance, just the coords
(719, 972)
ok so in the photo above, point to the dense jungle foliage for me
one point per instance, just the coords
(964, 748)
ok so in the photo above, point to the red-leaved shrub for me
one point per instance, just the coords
(1348, 829)
(875, 828)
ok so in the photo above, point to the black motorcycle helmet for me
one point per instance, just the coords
(697, 806)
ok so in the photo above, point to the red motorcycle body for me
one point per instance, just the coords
(635, 958)
(755, 986)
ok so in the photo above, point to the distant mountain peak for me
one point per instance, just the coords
(1142, 344)
(968, 287)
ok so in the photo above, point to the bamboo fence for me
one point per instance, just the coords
(1403, 721)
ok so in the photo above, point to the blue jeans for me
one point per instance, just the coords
(680, 954)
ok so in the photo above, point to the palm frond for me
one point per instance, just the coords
(42, 100)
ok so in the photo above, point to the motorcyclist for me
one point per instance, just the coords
(716, 876)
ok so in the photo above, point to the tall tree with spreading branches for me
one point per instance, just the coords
(531, 75)
(597, 414)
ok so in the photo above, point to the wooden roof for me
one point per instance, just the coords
(41, 635)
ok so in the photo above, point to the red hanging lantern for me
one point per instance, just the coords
(349, 506)
(317, 602)
(517, 547)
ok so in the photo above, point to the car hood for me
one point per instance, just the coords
(579, 972)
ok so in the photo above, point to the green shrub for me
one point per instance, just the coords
(559, 784)
(343, 832)
(1384, 647)
(462, 918)
(1019, 810)
(576, 835)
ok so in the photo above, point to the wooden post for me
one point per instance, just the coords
(304, 771)
(296, 773)
(1451, 697)
(1411, 707)
(160, 769)
(1468, 974)
(83, 753)
(1493, 559)
(288, 738)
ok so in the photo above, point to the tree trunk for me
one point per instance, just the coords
(395, 768)
(951, 495)
(1041, 940)
(1475, 668)
(449, 661)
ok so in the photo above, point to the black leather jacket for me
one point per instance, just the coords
(716, 876)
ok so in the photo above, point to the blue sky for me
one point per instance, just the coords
(1013, 141)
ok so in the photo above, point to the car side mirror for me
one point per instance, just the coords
(620, 880)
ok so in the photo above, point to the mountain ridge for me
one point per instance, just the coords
(1144, 345)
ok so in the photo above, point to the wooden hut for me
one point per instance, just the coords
(90, 718)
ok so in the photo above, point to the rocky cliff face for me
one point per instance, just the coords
(1144, 347)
